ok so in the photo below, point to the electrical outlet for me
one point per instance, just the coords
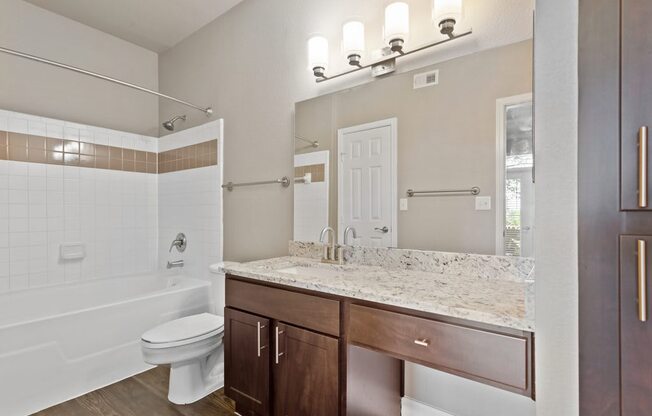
(483, 203)
(403, 204)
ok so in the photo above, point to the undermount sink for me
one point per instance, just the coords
(311, 271)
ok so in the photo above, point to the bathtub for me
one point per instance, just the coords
(59, 342)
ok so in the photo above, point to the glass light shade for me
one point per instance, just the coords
(353, 38)
(446, 9)
(317, 52)
(397, 21)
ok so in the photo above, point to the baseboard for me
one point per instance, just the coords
(411, 407)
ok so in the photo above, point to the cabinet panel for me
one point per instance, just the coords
(305, 367)
(484, 356)
(635, 325)
(636, 103)
(247, 362)
(312, 312)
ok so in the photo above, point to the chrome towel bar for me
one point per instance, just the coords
(446, 192)
(284, 181)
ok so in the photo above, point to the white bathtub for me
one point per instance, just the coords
(59, 342)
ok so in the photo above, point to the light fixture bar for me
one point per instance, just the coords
(208, 111)
(396, 56)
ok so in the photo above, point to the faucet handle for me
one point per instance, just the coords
(180, 242)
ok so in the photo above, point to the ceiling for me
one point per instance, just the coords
(156, 25)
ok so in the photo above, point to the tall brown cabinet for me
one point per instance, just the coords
(615, 207)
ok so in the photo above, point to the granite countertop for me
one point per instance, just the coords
(501, 302)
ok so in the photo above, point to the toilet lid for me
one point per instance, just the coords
(184, 328)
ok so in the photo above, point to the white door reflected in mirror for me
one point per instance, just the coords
(367, 183)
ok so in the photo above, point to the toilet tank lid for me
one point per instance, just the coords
(184, 328)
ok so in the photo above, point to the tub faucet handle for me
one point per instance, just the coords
(180, 242)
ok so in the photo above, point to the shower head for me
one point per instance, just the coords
(170, 123)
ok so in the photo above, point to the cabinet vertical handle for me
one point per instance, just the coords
(642, 167)
(278, 354)
(259, 347)
(642, 280)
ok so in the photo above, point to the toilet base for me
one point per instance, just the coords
(195, 379)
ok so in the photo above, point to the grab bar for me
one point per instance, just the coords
(284, 181)
(473, 191)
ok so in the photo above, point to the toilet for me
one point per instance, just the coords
(193, 348)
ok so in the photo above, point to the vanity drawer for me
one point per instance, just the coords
(477, 354)
(306, 311)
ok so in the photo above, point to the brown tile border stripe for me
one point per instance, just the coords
(38, 149)
(189, 157)
(317, 172)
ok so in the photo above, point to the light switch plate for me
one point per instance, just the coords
(403, 204)
(483, 203)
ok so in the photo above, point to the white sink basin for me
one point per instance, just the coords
(320, 272)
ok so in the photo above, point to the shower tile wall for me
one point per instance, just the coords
(190, 198)
(112, 212)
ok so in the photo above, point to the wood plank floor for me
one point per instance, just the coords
(141, 395)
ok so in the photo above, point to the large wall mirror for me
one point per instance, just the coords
(446, 167)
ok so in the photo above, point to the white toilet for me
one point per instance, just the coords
(193, 347)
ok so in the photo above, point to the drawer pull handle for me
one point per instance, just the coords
(642, 280)
(642, 167)
(423, 342)
(278, 354)
(259, 347)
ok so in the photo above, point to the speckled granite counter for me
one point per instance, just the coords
(503, 302)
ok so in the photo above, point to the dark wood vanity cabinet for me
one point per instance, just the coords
(247, 361)
(273, 367)
(305, 373)
(294, 352)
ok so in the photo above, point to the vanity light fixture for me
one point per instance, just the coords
(446, 13)
(318, 55)
(397, 25)
(353, 41)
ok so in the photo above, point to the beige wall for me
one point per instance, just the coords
(250, 65)
(446, 140)
(35, 88)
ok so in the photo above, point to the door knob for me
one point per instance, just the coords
(383, 230)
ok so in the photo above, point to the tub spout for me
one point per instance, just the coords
(177, 263)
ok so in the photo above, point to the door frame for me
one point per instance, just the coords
(392, 123)
(501, 146)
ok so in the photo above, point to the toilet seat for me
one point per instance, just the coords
(184, 331)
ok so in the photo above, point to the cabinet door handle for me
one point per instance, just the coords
(423, 342)
(259, 348)
(642, 167)
(278, 354)
(642, 280)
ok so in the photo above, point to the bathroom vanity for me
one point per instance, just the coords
(303, 337)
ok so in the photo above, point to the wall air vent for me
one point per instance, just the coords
(426, 79)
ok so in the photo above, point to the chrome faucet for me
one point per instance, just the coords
(330, 249)
(348, 230)
(180, 242)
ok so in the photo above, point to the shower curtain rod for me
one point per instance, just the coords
(208, 110)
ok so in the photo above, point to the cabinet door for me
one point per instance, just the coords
(305, 372)
(635, 326)
(636, 100)
(246, 362)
